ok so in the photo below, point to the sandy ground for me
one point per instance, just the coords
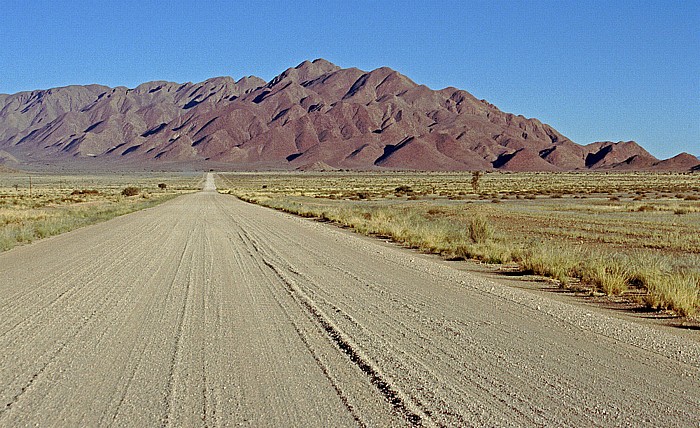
(207, 311)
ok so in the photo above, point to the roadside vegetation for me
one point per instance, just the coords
(624, 234)
(34, 206)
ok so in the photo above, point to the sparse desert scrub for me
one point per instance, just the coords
(676, 291)
(669, 286)
(550, 261)
(57, 204)
(571, 231)
(452, 235)
(605, 273)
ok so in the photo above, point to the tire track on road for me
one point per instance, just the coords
(417, 330)
(206, 311)
(400, 401)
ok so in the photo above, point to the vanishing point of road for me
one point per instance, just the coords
(208, 311)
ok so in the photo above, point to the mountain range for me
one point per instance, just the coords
(315, 115)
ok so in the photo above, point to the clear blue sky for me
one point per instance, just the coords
(595, 70)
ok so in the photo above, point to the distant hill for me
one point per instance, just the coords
(313, 114)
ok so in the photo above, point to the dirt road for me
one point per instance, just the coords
(207, 311)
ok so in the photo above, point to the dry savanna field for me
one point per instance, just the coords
(635, 235)
(34, 206)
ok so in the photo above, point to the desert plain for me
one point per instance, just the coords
(205, 308)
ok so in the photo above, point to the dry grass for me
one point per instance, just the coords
(57, 204)
(677, 292)
(592, 230)
(552, 262)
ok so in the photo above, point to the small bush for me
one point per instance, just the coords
(403, 190)
(479, 230)
(130, 191)
(85, 192)
(162, 186)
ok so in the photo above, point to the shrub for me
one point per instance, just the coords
(479, 230)
(162, 186)
(85, 192)
(403, 190)
(130, 191)
(644, 208)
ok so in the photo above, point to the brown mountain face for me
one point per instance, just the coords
(682, 162)
(313, 114)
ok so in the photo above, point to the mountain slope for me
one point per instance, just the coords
(313, 113)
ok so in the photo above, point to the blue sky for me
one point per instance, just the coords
(595, 70)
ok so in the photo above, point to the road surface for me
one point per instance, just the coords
(207, 311)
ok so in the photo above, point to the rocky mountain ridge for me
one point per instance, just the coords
(315, 113)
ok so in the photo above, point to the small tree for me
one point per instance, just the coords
(476, 176)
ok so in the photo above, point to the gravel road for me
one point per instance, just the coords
(207, 311)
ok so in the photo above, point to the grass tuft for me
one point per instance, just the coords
(479, 230)
(551, 262)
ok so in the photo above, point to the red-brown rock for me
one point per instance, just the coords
(313, 114)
